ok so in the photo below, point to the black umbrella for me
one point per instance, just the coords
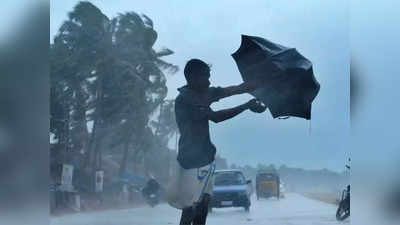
(290, 85)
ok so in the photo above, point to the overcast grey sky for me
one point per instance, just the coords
(210, 30)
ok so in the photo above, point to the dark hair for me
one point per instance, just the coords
(193, 66)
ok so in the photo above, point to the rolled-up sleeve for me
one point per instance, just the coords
(215, 94)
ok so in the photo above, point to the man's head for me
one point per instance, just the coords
(197, 74)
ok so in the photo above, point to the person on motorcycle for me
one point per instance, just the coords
(343, 210)
(152, 187)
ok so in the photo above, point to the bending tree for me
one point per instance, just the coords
(106, 80)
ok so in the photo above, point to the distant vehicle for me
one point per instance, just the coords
(281, 190)
(267, 185)
(151, 192)
(152, 199)
(343, 210)
(231, 189)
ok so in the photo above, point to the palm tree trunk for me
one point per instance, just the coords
(89, 151)
(96, 157)
(94, 135)
(124, 158)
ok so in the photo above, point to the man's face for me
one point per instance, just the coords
(201, 80)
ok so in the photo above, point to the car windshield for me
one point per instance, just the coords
(229, 178)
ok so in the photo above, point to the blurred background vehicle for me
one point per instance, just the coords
(231, 189)
(267, 185)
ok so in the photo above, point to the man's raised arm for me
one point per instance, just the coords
(242, 88)
(225, 114)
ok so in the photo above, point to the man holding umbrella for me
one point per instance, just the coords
(192, 187)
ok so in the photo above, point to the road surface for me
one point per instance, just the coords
(292, 210)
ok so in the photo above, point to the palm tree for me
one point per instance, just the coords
(106, 74)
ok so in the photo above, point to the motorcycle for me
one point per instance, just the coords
(151, 199)
(151, 193)
(343, 210)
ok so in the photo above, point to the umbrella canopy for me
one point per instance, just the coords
(290, 85)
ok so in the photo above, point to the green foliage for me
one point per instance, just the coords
(105, 72)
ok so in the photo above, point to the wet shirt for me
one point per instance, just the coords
(192, 111)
